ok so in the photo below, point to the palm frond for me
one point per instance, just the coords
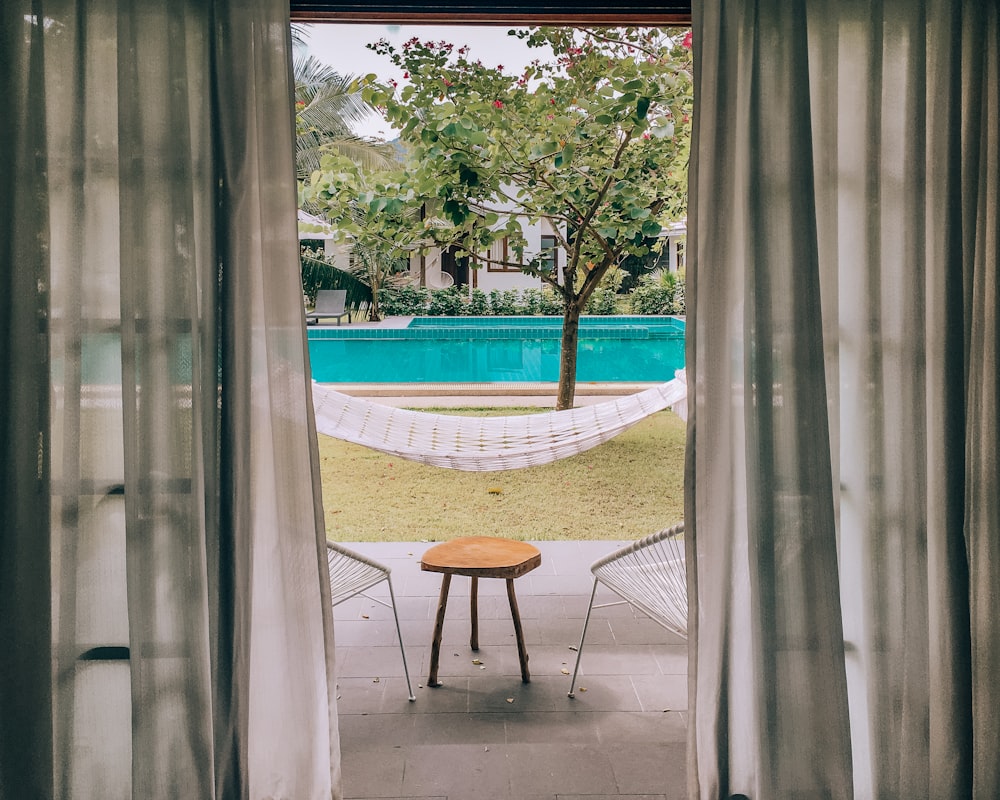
(320, 274)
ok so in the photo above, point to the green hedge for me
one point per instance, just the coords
(654, 294)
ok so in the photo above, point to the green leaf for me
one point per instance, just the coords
(641, 107)
(544, 149)
(454, 211)
(651, 227)
(468, 176)
(567, 154)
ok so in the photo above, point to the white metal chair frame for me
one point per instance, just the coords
(649, 574)
(352, 574)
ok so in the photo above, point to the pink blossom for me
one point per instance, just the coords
(406, 74)
(499, 67)
(497, 104)
(687, 40)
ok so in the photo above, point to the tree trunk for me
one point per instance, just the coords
(567, 357)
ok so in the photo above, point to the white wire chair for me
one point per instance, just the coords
(352, 574)
(650, 574)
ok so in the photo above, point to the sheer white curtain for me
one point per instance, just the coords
(844, 400)
(164, 608)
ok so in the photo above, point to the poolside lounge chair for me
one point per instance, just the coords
(329, 303)
(650, 574)
(350, 575)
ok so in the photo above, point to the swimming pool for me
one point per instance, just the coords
(498, 350)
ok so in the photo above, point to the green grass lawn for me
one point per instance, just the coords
(626, 488)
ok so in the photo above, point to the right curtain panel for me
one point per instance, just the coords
(843, 509)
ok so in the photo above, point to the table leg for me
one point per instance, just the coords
(432, 679)
(474, 613)
(518, 632)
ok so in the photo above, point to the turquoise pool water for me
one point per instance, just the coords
(497, 350)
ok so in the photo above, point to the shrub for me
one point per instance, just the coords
(404, 301)
(530, 302)
(659, 293)
(503, 303)
(602, 301)
(450, 302)
(551, 303)
(479, 305)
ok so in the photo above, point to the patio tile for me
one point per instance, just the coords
(672, 659)
(510, 695)
(361, 695)
(661, 692)
(373, 773)
(641, 630)
(569, 727)
(451, 697)
(375, 662)
(470, 771)
(556, 632)
(623, 727)
(427, 797)
(542, 606)
(611, 796)
(604, 693)
(561, 585)
(645, 768)
(464, 739)
(461, 728)
(557, 767)
(632, 659)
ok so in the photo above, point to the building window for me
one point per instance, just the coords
(549, 255)
(497, 258)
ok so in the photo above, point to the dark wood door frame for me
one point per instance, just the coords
(459, 12)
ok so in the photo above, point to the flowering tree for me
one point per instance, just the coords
(593, 142)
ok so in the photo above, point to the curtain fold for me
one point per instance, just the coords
(844, 480)
(167, 622)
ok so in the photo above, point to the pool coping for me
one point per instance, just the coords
(533, 389)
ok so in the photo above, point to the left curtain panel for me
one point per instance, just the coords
(164, 609)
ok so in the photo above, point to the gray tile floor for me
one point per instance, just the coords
(484, 734)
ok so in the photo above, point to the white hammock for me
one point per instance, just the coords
(484, 444)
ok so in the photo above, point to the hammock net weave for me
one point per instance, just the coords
(485, 444)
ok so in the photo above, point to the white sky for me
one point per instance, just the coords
(342, 46)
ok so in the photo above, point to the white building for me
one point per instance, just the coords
(489, 270)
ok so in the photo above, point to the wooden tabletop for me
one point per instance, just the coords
(482, 557)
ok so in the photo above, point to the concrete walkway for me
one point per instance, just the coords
(484, 734)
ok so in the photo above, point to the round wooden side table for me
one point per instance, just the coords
(479, 557)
